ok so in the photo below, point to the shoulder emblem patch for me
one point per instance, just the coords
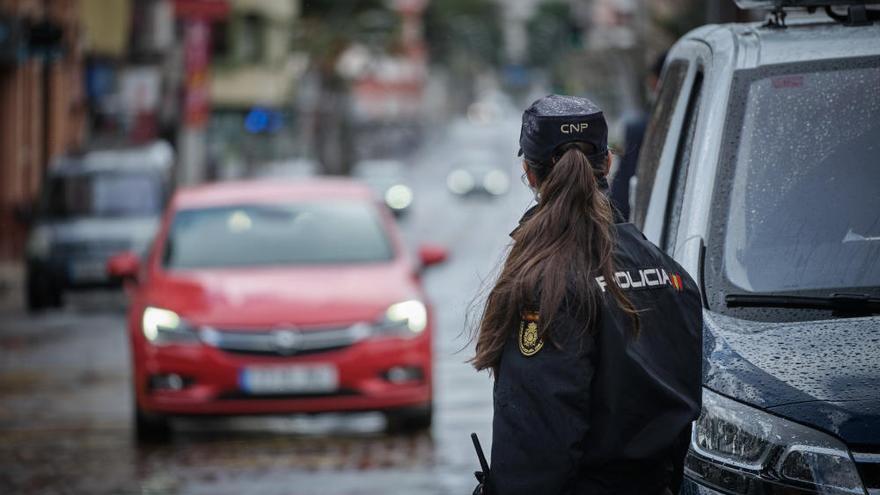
(529, 343)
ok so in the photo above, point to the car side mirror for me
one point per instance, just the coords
(125, 266)
(430, 255)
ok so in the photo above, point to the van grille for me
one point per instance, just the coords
(868, 465)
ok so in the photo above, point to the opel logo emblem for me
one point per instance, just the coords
(287, 341)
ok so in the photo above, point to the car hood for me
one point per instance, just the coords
(254, 298)
(822, 373)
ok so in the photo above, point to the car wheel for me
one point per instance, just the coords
(409, 420)
(41, 291)
(36, 299)
(150, 427)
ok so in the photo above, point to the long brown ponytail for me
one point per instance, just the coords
(555, 256)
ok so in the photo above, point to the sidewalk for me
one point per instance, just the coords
(11, 286)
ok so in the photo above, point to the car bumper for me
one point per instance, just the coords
(72, 273)
(212, 379)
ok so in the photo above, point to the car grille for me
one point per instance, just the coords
(284, 341)
(868, 465)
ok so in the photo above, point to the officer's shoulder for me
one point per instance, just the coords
(630, 237)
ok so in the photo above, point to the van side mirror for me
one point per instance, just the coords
(125, 266)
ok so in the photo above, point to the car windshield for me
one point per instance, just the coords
(276, 234)
(104, 194)
(804, 209)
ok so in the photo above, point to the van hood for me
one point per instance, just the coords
(269, 297)
(821, 373)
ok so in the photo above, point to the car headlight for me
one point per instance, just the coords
(496, 182)
(398, 197)
(460, 181)
(743, 450)
(163, 326)
(408, 318)
(39, 244)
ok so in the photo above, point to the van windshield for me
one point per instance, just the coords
(104, 194)
(804, 207)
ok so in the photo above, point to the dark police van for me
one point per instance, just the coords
(92, 207)
(760, 174)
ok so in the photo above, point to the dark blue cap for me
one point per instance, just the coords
(555, 120)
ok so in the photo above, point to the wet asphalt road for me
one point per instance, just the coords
(65, 402)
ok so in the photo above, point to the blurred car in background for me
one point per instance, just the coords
(477, 172)
(90, 208)
(293, 169)
(387, 179)
(279, 297)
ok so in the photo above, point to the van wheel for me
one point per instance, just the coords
(41, 293)
(150, 427)
(409, 420)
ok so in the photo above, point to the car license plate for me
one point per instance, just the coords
(290, 379)
(88, 271)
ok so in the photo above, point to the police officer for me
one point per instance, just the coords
(592, 333)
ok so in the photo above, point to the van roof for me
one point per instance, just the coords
(157, 157)
(806, 38)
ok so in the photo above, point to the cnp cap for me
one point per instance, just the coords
(554, 120)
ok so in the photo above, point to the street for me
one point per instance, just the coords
(66, 403)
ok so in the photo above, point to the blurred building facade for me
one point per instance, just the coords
(254, 75)
(43, 102)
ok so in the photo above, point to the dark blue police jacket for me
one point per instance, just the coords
(603, 413)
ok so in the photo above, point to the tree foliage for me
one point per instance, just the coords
(469, 29)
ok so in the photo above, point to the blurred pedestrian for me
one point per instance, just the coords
(633, 134)
(592, 333)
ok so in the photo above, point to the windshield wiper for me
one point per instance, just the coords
(840, 304)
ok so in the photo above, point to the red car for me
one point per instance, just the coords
(278, 297)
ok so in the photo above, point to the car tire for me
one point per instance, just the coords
(41, 292)
(150, 427)
(409, 420)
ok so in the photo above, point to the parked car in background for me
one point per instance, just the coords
(91, 207)
(388, 179)
(279, 297)
(760, 175)
(292, 169)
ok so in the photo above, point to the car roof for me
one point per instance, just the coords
(270, 191)
(805, 38)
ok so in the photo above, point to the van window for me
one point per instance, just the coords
(681, 165)
(655, 136)
(103, 194)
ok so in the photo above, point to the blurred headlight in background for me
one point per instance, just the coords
(496, 182)
(410, 317)
(40, 243)
(460, 181)
(743, 450)
(162, 326)
(398, 197)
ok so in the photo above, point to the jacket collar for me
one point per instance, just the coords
(618, 217)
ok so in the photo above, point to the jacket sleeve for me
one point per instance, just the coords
(541, 413)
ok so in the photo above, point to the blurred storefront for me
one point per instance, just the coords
(254, 75)
(42, 97)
